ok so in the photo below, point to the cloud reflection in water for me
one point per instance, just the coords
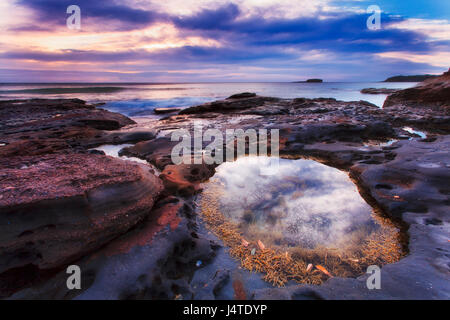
(306, 203)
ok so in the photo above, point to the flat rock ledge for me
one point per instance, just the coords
(433, 92)
(171, 255)
(378, 91)
(57, 208)
(59, 202)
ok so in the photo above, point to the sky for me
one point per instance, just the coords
(221, 41)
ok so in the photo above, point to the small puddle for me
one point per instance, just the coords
(374, 143)
(113, 151)
(410, 130)
(304, 222)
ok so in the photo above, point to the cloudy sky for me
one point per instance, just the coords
(218, 40)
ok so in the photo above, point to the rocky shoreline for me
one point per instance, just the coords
(134, 230)
(378, 91)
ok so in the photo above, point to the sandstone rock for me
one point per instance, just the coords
(378, 91)
(184, 179)
(155, 260)
(166, 110)
(415, 78)
(56, 208)
(432, 92)
(41, 126)
(230, 105)
(156, 152)
(44, 114)
(242, 95)
(158, 258)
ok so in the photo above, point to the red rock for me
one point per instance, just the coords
(41, 126)
(233, 104)
(378, 91)
(157, 151)
(185, 179)
(239, 290)
(165, 213)
(58, 208)
(433, 92)
(243, 95)
(166, 110)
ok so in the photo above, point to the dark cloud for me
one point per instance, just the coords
(54, 12)
(208, 19)
(187, 54)
(339, 32)
(275, 43)
(346, 32)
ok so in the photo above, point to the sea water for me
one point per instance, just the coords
(141, 99)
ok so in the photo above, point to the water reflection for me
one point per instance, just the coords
(410, 130)
(113, 151)
(306, 204)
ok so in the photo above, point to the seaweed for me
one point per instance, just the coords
(280, 266)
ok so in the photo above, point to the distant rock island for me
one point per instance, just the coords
(310, 81)
(416, 78)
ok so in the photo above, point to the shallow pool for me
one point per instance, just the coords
(113, 151)
(306, 209)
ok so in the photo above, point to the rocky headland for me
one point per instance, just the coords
(434, 92)
(134, 229)
(414, 78)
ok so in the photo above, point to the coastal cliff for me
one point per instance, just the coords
(434, 92)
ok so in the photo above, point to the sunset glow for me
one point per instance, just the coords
(184, 40)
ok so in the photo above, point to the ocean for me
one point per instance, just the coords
(139, 99)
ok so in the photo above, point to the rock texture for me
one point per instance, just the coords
(184, 179)
(232, 104)
(58, 201)
(171, 255)
(378, 91)
(416, 78)
(50, 126)
(166, 110)
(433, 92)
(155, 260)
(55, 209)
(157, 151)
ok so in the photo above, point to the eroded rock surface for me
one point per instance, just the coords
(42, 126)
(171, 255)
(58, 201)
(434, 92)
(378, 90)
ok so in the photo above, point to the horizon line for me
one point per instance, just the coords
(182, 82)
